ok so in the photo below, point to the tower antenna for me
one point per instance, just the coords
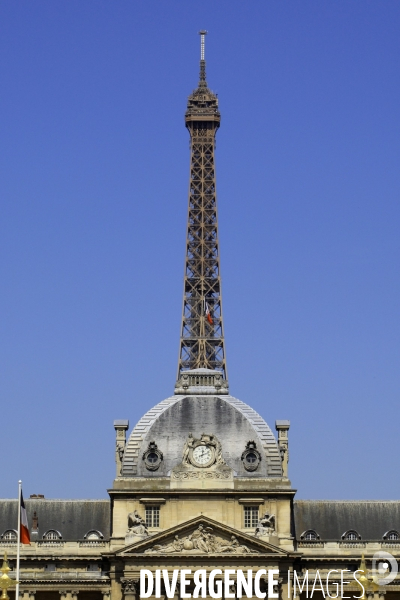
(203, 34)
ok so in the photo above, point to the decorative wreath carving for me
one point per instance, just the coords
(251, 457)
(152, 457)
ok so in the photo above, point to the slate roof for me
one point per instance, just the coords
(231, 420)
(72, 518)
(332, 518)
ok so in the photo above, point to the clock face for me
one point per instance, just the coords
(202, 455)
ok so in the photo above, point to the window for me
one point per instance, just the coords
(52, 534)
(250, 516)
(392, 535)
(310, 535)
(153, 516)
(10, 534)
(251, 458)
(351, 536)
(152, 457)
(93, 535)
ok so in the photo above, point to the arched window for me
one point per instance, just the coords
(51, 535)
(310, 535)
(351, 536)
(10, 535)
(392, 535)
(93, 534)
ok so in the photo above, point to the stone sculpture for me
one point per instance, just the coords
(266, 525)
(136, 524)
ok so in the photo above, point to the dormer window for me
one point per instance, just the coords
(10, 535)
(392, 535)
(93, 534)
(52, 535)
(152, 457)
(310, 535)
(351, 536)
(251, 457)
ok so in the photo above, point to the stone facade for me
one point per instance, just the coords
(201, 489)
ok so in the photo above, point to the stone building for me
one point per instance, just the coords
(202, 480)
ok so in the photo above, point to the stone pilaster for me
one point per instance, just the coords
(130, 588)
(120, 443)
(282, 428)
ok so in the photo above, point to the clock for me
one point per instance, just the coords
(203, 456)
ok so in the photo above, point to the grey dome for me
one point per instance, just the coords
(169, 423)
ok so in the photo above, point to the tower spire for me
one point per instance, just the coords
(202, 334)
(202, 34)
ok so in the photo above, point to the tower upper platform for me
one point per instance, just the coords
(202, 102)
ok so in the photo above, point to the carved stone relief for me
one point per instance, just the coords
(202, 540)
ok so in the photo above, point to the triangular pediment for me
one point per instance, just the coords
(201, 535)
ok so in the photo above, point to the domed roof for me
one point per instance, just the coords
(198, 411)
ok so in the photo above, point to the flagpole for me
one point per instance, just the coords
(18, 538)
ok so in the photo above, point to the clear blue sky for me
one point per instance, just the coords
(93, 179)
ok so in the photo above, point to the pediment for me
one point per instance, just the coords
(201, 535)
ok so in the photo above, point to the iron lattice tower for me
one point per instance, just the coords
(202, 334)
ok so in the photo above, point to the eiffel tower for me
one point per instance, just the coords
(202, 333)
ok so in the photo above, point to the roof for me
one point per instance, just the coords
(332, 518)
(72, 518)
(233, 422)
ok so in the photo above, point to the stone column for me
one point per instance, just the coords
(74, 594)
(282, 428)
(106, 595)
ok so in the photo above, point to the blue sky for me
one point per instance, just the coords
(93, 178)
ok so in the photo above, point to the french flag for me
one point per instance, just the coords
(208, 313)
(24, 536)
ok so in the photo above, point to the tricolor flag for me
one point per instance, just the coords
(208, 313)
(24, 537)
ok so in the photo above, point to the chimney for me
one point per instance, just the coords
(35, 527)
